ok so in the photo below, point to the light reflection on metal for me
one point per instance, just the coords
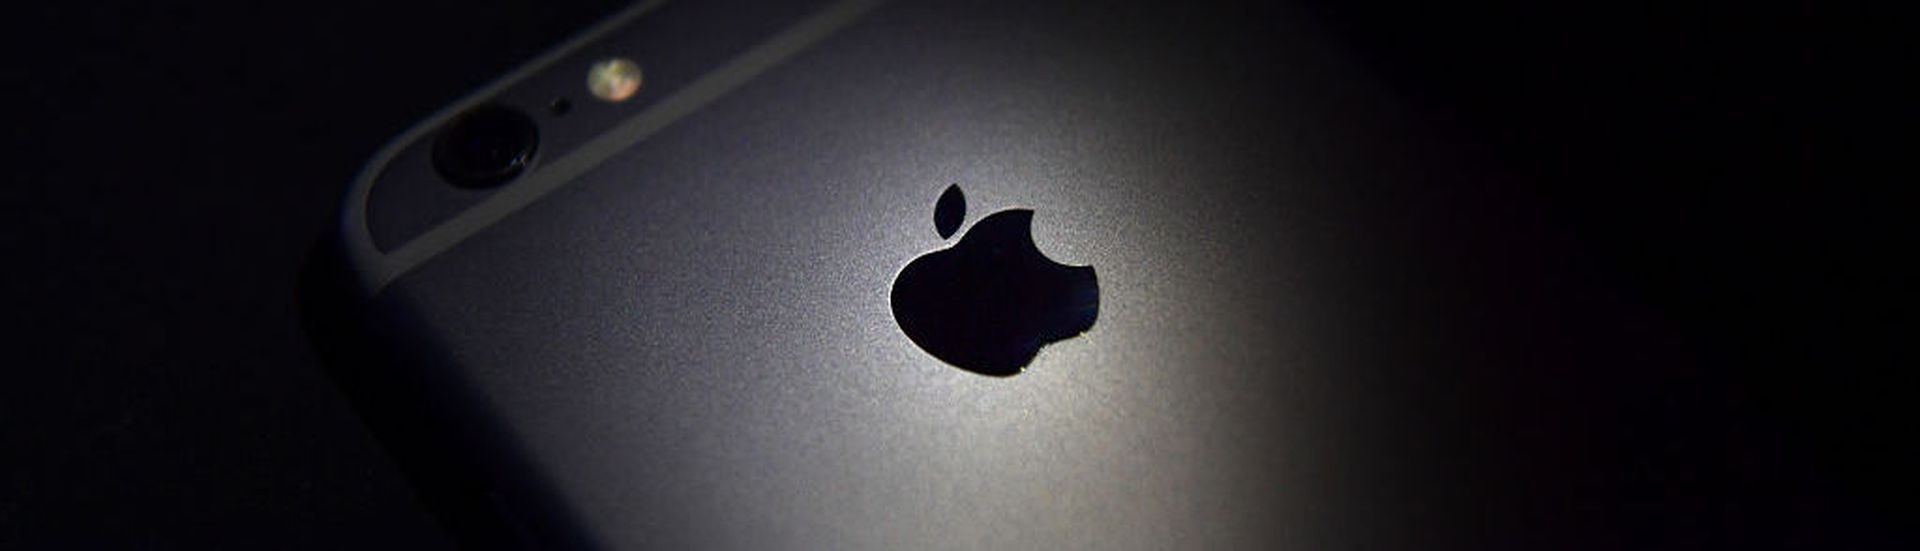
(614, 79)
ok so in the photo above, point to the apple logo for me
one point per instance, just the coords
(990, 302)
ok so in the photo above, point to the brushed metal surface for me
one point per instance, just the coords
(692, 340)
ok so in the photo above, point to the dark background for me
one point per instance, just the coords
(1727, 166)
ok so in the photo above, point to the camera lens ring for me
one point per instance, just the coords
(485, 146)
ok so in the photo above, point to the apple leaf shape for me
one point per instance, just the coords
(990, 302)
(949, 211)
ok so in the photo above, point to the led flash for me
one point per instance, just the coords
(614, 79)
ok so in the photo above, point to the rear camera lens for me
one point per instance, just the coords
(485, 147)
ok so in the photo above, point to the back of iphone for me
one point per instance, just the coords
(892, 275)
